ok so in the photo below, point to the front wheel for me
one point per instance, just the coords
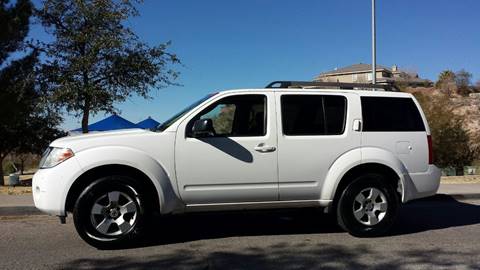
(109, 213)
(368, 206)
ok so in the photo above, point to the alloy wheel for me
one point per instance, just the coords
(370, 206)
(114, 213)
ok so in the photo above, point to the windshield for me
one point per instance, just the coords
(179, 115)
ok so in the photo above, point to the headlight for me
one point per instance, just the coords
(54, 156)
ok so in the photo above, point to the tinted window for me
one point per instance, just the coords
(313, 114)
(242, 115)
(390, 114)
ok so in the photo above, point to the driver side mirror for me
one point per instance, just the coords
(203, 128)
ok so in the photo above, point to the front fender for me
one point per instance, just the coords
(122, 155)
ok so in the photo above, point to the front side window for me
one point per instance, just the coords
(179, 115)
(236, 116)
(313, 114)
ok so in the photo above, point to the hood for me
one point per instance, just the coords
(77, 142)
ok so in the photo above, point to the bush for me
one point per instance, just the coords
(8, 168)
(452, 144)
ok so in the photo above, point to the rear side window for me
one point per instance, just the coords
(313, 114)
(391, 114)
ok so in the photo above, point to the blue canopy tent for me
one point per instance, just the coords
(148, 123)
(110, 123)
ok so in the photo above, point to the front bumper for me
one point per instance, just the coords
(423, 184)
(50, 186)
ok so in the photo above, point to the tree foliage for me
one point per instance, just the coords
(446, 82)
(463, 80)
(95, 60)
(26, 124)
(452, 143)
(14, 25)
(459, 82)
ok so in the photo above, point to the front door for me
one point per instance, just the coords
(237, 161)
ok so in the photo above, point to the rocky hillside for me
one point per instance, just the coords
(467, 107)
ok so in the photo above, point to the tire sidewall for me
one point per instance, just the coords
(345, 216)
(84, 203)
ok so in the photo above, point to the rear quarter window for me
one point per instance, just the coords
(390, 114)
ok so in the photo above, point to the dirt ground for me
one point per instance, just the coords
(465, 179)
(24, 187)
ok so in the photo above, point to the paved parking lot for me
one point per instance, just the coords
(438, 234)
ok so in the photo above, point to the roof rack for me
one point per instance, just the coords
(338, 85)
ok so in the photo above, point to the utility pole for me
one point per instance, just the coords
(374, 51)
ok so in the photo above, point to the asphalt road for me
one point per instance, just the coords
(443, 234)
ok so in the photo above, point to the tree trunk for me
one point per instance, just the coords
(2, 182)
(459, 171)
(85, 121)
(22, 163)
(86, 114)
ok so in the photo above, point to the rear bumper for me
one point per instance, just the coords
(423, 184)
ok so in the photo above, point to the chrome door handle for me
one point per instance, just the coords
(263, 148)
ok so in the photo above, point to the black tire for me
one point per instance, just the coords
(85, 221)
(347, 204)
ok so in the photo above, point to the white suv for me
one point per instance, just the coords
(356, 153)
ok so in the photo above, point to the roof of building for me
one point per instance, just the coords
(354, 69)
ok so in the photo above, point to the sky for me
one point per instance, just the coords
(247, 44)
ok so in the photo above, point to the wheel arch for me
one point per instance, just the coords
(125, 161)
(362, 160)
(392, 177)
(88, 177)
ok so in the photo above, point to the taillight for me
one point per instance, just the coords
(430, 149)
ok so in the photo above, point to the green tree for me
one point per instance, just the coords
(452, 144)
(446, 82)
(95, 60)
(26, 123)
(14, 25)
(463, 80)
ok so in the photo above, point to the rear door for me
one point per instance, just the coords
(314, 129)
(395, 124)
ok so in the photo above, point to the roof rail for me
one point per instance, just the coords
(339, 85)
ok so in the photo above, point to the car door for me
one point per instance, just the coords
(314, 130)
(237, 162)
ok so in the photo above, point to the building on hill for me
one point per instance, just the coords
(362, 73)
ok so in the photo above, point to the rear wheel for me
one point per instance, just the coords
(110, 212)
(368, 206)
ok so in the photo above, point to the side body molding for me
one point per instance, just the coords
(365, 155)
(122, 155)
